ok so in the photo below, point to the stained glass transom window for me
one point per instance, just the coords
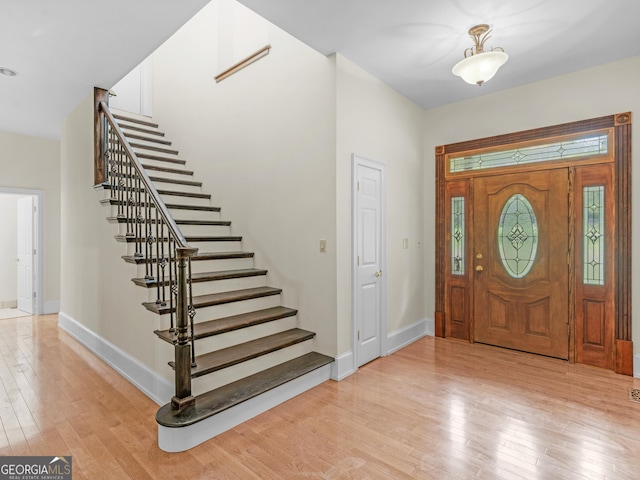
(560, 150)
(518, 236)
(457, 235)
(593, 235)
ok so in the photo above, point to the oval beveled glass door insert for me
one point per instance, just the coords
(518, 236)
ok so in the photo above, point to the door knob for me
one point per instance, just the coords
(379, 273)
(479, 268)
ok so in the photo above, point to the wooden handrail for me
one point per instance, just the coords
(188, 250)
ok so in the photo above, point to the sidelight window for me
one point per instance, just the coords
(457, 235)
(593, 235)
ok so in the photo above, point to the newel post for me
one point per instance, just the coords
(182, 347)
(99, 137)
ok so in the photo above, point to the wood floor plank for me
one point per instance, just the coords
(437, 409)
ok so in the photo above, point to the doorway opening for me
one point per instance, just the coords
(533, 237)
(21, 242)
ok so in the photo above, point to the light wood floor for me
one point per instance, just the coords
(438, 409)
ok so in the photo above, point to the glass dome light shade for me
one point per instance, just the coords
(480, 67)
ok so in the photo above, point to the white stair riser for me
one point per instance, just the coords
(229, 309)
(176, 187)
(229, 339)
(205, 230)
(194, 214)
(217, 379)
(180, 200)
(168, 175)
(189, 230)
(202, 246)
(201, 266)
(160, 163)
(218, 286)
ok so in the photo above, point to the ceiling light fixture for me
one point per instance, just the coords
(8, 72)
(479, 66)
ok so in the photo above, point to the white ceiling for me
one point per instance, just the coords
(412, 44)
(62, 48)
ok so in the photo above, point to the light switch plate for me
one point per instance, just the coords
(405, 243)
(323, 246)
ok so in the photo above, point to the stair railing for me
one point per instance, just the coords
(153, 231)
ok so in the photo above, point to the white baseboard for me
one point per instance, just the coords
(9, 304)
(184, 438)
(342, 366)
(50, 306)
(636, 366)
(405, 336)
(431, 327)
(146, 380)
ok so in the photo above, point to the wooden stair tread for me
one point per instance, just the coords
(141, 129)
(177, 171)
(139, 121)
(170, 151)
(215, 223)
(175, 193)
(227, 357)
(213, 238)
(170, 206)
(159, 158)
(176, 181)
(228, 324)
(145, 138)
(222, 223)
(198, 256)
(212, 299)
(227, 396)
(203, 208)
(207, 276)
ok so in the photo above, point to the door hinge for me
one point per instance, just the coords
(568, 330)
(34, 251)
(358, 186)
(358, 260)
(34, 294)
(358, 335)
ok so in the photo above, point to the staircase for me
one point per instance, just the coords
(249, 354)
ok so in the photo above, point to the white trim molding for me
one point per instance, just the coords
(343, 366)
(51, 306)
(405, 336)
(146, 380)
(636, 366)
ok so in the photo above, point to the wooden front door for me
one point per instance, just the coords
(520, 261)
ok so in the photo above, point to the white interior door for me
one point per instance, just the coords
(369, 285)
(26, 253)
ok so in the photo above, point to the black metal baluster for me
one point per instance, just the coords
(192, 313)
(172, 280)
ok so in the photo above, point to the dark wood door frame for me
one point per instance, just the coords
(621, 127)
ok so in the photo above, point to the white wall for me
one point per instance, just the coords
(375, 122)
(599, 91)
(8, 250)
(263, 143)
(34, 163)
